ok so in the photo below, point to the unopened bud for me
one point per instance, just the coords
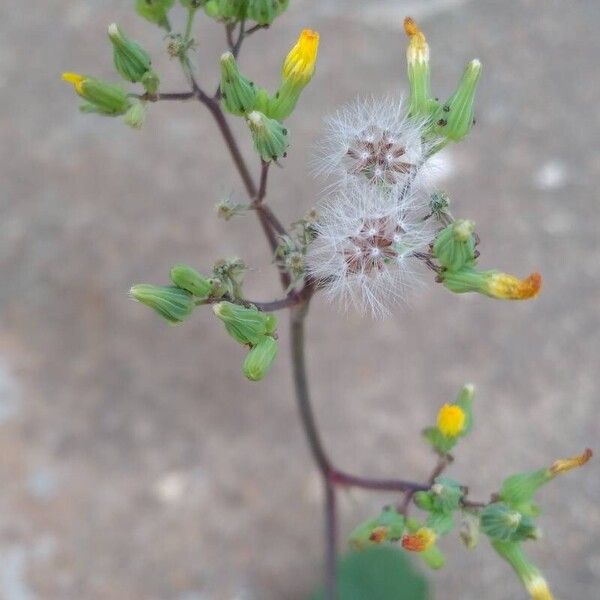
(260, 358)
(245, 325)
(229, 11)
(131, 61)
(454, 246)
(190, 280)
(238, 92)
(136, 115)
(170, 302)
(499, 522)
(455, 118)
(270, 137)
(492, 283)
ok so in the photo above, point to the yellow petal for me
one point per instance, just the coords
(300, 62)
(509, 287)
(75, 80)
(451, 420)
(418, 49)
(419, 541)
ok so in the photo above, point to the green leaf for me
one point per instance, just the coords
(378, 573)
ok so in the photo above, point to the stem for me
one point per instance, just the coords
(331, 536)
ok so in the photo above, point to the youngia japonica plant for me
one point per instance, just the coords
(379, 226)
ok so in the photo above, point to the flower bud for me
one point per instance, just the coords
(421, 104)
(190, 280)
(131, 61)
(455, 118)
(454, 246)
(260, 358)
(297, 71)
(136, 115)
(229, 11)
(261, 11)
(245, 325)
(499, 522)
(238, 92)
(151, 81)
(270, 137)
(155, 11)
(446, 495)
(528, 573)
(103, 97)
(433, 557)
(170, 302)
(492, 283)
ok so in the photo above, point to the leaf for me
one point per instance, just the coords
(378, 573)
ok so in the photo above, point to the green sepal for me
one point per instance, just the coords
(131, 61)
(229, 11)
(190, 280)
(283, 102)
(439, 442)
(136, 115)
(500, 522)
(433, 557)
(442, 523)
(518, 490)
(170, 302)
(260, 358)
(106, 98)
(465, 401)
(446, 495)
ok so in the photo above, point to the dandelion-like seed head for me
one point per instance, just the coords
(373, 140)
(364, 248)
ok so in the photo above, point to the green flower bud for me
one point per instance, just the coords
(229, 11)
(265, 11)
(155, 11)
(270, 137)
(131, 61)
(102, 97)
(424, 501)
(260, 358)
(500, 522)
(446, 494)
(192, 3)
(245, 325)
(454, 119)
(170, 302)
(190, 280)
(271, 323)
(238, 92)
(387, 527)
(528, 573)
(136, 115)
(465, 401)
(151, 81)
(454, 246)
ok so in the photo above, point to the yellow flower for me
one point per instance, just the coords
(299, 64)
(419, 541)
(566, 464)
(451, 420)
(76, 80)
(418, 49)
(509, 287)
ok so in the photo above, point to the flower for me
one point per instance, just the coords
(364, 242)
(373, 140)
(76, 80)
(451, 420)
(563, 465)
(299, 64)
(421, 540)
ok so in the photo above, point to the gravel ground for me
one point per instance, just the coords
(136, 463)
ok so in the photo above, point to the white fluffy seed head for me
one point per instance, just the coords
(373, 140)
(363, 251)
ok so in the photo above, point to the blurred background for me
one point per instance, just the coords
(135, 460)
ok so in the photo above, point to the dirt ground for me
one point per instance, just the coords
(136, 463)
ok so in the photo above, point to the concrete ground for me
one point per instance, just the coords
(135, 461)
